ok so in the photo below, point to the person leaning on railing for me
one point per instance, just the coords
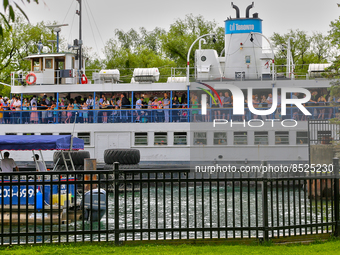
(322, 102)
(175, 113)
(124, 104)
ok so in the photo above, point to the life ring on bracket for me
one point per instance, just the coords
(83, 79)
(28, 78)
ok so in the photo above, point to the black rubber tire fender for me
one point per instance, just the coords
(77, 157)
(123, 156)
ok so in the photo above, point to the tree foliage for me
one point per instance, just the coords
(19, 42)
(334, 73)
(160, 48)
(305, 49)
(138, 56)
(184, 32)
(9, 7)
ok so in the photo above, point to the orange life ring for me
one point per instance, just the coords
(28, 77)
(83, 79)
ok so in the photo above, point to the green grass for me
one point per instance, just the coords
(330, 247)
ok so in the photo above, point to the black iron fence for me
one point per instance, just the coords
(48, 207)
(165, 204)
(323, 131)
(179, 205)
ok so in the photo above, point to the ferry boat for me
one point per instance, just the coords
(176, 136)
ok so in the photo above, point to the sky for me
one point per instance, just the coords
(102, 17)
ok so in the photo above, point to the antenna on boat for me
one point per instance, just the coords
(80, 42)
(57, 29)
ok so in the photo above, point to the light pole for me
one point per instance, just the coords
(290, 68)
(188, 61)
(202, 40)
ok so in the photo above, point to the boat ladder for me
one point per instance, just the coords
(67, 159)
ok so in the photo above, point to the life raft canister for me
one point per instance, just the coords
(28, 78)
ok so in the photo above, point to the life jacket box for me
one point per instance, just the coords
(146, 75)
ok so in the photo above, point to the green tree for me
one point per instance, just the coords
(321, 46)
(184, 32)
(126, 60)
(9, 7)
(17, 43)
(334, 74)
(134, 39)
(305, 49)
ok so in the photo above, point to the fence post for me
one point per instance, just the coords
(265, 204)
(336, 195)
(116, 203)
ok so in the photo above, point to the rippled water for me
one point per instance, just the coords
(170, 207)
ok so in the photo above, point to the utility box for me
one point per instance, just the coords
(207, 65)
(67, 73)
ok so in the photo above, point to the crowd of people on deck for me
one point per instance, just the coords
(67, 110)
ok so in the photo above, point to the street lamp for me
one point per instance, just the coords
(188, 61)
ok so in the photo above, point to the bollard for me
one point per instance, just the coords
(336, 196)
(90, 164)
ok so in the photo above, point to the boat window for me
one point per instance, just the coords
(46, 134)
(200, 138)
(247, 59)
(301, 138)
(36, 64)
(11, 133)
(240, 138)
(261, 138)
(86, 137)
(48, 63)
(180, 138)
(161, 138)
(141, 138)
(28, 133)
(281, 137)
(64, 133)
(220, 138)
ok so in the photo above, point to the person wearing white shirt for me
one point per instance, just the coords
(7, 164)
(139, 105)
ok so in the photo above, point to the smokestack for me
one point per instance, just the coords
(237, 10)
(248, 9)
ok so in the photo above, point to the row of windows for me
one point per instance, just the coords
(84, 136)
(161, 138)
(220, 138)
(200, 138)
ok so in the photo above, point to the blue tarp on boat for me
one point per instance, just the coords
(39, 142)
